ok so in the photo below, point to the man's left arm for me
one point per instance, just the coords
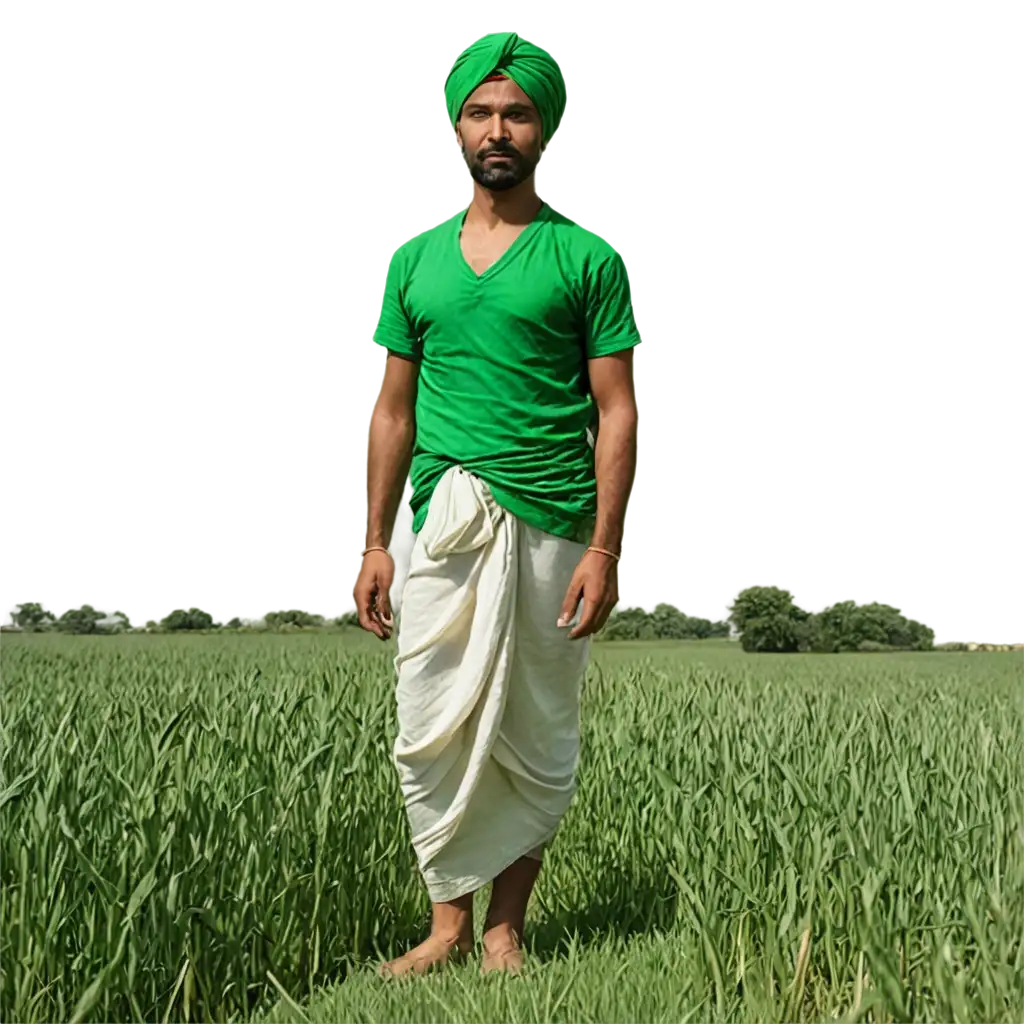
(611, 380)
(596, 577)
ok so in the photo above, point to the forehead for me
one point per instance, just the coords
(498, 95)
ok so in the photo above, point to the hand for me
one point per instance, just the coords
(596, 580)
(373, 594)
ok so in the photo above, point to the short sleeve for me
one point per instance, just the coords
(394, 328)
(610, 326)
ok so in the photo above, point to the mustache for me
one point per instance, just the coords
(499, 149)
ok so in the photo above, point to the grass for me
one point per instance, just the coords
(209, 828)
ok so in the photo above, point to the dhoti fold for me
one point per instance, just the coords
(488, 688)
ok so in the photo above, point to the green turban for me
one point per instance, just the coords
(534, 70)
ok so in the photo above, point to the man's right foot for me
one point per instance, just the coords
(427, 956)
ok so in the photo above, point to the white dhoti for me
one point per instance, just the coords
(488, 688)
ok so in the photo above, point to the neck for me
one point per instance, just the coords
(517, 205)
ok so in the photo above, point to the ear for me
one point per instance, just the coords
(458, 134)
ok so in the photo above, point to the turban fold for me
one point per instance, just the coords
(534, 70)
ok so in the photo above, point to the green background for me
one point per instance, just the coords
(195, 208)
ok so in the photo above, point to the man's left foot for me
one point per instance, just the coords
(506, 960)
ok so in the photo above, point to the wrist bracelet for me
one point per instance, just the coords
(375, 548)
(604, 551)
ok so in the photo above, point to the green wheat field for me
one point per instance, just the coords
(209, 828)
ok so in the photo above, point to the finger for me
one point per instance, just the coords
(608, 601)
(572, 599)
(362, 607)
(367, 621)
(586, 624)
(385, 615)
(383, 626)
(365, 611)
(384, 603)
(602, 617)
(370, 625)
(381, 607)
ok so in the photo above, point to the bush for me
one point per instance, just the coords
(871, 645)
(35, 619)
(639, 624)
(764, 604)
(769, 621)
(194, 619)
(292, 619)
(86, 622)
(774, 633)
(848, 626)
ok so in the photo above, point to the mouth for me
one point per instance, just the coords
(497, 156)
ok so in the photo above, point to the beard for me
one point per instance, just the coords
(503, 176)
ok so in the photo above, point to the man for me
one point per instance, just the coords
(509, 332)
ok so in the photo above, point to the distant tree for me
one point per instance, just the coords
(85, 622)
(847, 626)
(193, 619)
(769, 620)
(35, 617)
(292, 620)
(666, 622)
(235, 623)
(349, 619)
(761, 603)
(773, 634)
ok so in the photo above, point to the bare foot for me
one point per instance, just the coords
(502, 952)
(506, 960)
(429, 955)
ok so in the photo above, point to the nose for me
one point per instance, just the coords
(496, 130)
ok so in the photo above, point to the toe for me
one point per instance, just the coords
(392, 969)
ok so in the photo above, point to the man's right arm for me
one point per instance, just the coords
(392, 433)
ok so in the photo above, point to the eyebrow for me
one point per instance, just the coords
(509, 108)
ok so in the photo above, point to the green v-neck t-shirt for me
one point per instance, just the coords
(503, 384)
